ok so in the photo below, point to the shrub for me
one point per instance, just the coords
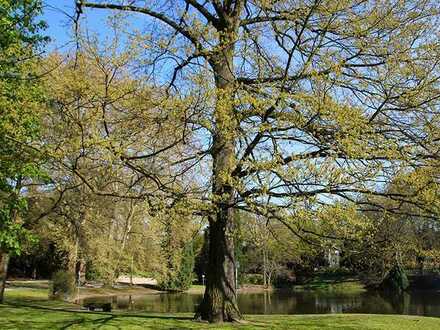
(396, 280)
(186, 275)
(183, 278)
(63, 285)
(284, 278)
(335, 272)
(92, 272)
(256, 279)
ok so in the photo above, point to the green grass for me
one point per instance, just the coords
(347, 287)
(196, 288)
(30, 309)
(36, 284)
(332, 282)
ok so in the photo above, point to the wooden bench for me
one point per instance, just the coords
(105, 307)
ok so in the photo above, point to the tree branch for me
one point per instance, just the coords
(202, 10)
(143, 10)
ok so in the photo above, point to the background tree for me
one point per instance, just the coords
(401, 232)
(20, 99)
(97, 109)
(269, 248)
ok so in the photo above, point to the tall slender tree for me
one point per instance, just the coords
(291, 104)
(20, 97)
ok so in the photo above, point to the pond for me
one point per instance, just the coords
(287, 302)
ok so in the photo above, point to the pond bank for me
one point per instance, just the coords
(123, 289)
(87, 291)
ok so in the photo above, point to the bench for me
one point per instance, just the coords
(105, 307)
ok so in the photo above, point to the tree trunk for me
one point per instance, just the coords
(4, 256)
(81, 268)
(220, 300)
(72, 269)
(269, 278)
(4, 261)
(264, 268)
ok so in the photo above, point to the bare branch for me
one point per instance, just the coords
(144, 10)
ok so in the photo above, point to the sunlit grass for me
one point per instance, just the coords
(348, 287)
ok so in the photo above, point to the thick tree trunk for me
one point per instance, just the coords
(220, 300)
(4, 262)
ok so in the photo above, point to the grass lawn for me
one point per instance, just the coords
(346, 287)
(29, 308)
(334, 283)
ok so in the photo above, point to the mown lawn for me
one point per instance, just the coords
(346, 287)
(30, 309)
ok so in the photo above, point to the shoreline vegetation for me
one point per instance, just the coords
(122, 289)
(28, 307)
(345, 285)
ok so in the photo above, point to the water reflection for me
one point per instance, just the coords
(287, 302)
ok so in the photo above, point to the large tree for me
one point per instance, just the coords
(20, 97)
(290, 104)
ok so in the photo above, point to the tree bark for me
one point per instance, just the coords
(264, 268)
(219, 303)
(81, 268)
(4, 262)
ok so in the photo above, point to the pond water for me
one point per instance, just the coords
(287, 302)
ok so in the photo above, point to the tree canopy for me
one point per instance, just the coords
(20, 102)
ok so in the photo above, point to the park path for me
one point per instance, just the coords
(137, 280)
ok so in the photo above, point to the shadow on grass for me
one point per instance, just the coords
(83, 321)
(28, 316)
(86, 312)
(32, 284)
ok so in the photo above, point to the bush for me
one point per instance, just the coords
(285, 278)
(256, 279)
(92, 272)
(186, 275)
(63, 285)
(396, 280)
(335, 272)
(183, 278)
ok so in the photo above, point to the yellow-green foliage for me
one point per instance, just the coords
(21, 101)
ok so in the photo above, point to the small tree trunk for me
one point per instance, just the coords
(264, 268)
(4, 262)
(269, 278)
(81, 271)
(72, 268)
(4, 256)
(131, 271)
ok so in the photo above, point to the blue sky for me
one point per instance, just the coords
(60, 26)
